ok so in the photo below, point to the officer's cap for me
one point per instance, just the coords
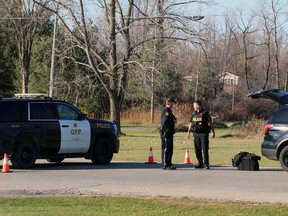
(170, 99)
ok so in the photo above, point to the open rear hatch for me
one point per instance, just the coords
(275, 94)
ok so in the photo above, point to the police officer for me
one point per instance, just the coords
(168, 121)
(201, 125)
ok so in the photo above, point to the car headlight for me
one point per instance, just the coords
(115, 126)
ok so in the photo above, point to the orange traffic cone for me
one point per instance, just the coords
(187, 158)
(5, 166)
(150, 157)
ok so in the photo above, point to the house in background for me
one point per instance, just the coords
(188, 78)
(229, 79)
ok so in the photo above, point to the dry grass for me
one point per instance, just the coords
(252, 127)
(139, 116)
(255, 126)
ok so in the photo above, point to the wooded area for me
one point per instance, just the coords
(127, 54)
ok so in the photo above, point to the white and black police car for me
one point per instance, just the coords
(34, 126)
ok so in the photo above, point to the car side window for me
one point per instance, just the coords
(43, 111)
(280, 117)
(67, 112)
(10, 111)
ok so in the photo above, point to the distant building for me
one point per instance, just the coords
(188, 78)
(229, 79)
(226, 78)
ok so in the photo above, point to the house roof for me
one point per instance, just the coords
(227, 73)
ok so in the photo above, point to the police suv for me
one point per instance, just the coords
(275, 144)
(34, 126)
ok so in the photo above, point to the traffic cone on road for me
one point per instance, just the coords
(5, 166)
(187, 158)
(150, 157)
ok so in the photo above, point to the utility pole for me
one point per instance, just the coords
(152, 111)
(158, 31)
(196, 18)
(197, 77)
(53, 56)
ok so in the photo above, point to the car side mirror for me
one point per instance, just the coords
(83, 116)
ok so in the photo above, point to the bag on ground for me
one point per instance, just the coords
(246, 161)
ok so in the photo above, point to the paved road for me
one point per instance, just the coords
(80, 177)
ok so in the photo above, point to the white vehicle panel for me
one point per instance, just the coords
(75, 136)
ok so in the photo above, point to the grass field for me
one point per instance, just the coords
(132, 206)
(135, 147)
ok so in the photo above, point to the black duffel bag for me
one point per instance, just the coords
(246, 161)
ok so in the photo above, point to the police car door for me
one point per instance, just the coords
(75, 132)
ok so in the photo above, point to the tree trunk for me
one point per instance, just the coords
(25, 80)
(115, 113)
(113, 95)
(246, 67)
(53, 56)
(267, 69)
(157, 53)
(197, 76)
(277, 47)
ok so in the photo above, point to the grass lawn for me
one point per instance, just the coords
(135, 147)
(132, 206)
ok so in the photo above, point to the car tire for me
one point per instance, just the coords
(55, 160)
(283, 158)
(24, 156)
(102, 152)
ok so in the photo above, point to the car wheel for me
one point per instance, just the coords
(283, 158)
(55, 160)
(24, 156)
(103, 152)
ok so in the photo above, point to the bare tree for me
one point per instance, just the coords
(267, 43)
(245, 45)
(272, 21)
(167, 27)
(110, 70)
(278, 25)
(26, 18)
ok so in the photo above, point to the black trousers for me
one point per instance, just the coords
(201, 142)
(167, 150)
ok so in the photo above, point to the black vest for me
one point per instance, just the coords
(200, 121)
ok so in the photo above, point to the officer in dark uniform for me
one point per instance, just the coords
(168, 121)
(201, 125)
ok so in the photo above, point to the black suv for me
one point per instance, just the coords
(43, 128)
(275, 144)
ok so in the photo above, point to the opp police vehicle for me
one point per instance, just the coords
(275, 144)
(34, 126)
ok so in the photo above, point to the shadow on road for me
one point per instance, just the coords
(112, 166)
(89, 166)
(73, 165)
